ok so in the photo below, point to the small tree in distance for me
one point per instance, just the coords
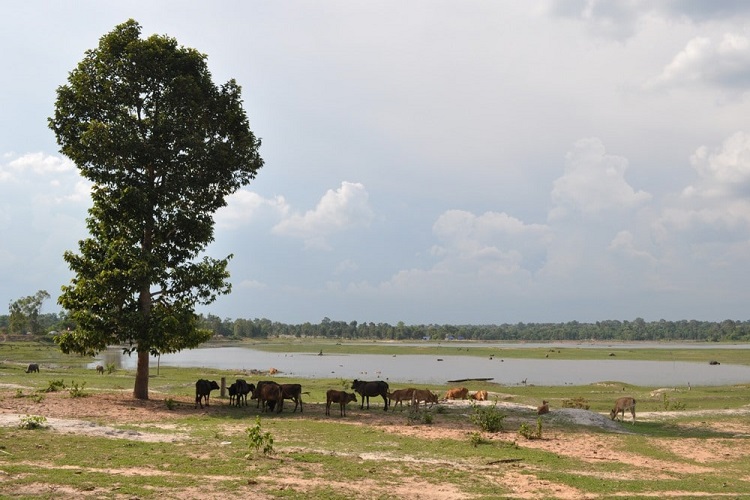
(163, 147)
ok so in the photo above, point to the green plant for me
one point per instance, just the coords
(110, 368)
(529, 433)
(37, 398)
(171, 403)
(579, 402)
(55, 385)
(32, 422)
(427, 418)
(475, 439)
(76, 391)
(19, 393)
(488, 418)
(671, 405)
(259, 440)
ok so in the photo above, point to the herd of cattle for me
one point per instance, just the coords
(270, 395)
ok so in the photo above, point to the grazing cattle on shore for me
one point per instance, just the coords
(541, 410)
(33, 367)
(256, 391)
(374, 388)
(293, 392)
(243, 389)
(423, 395)
(203, 390)
(100, 369)
(621, 405)
(340, 397)
(457, 393)
(479, 396)
(232, 390)
(399, 395)
(271, 395)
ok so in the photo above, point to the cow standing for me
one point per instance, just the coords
(243, 389)
(293, 392)
(271, 395)
(375, 388)
(203, 390)
(340, 397)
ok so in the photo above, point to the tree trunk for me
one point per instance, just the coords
(141, 376)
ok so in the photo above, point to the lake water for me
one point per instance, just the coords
(427, 369)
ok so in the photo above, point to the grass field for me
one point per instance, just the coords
(95, 441)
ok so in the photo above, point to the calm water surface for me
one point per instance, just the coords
(428, 369)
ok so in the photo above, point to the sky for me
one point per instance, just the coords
(446, 162)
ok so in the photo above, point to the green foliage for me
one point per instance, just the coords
(488, 418)
(475, 439)
(32, 422)
(526, 431)
(76, 390)
(55, 385)
(24, 313)
(259, 441)
(670, 405)
(19, 393)
(578, 402)
(171, 403)
(163, 147)
(110, 368)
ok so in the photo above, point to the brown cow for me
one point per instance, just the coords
(293, 392)
(423, 395)
(457, 393)
(541, 410)
(100, 369)
(399, 395)
(480, 396)
(340, 397)
(271, 395)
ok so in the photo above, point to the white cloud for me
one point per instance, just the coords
(345, 208)
(593, 183)
(244, 206)
(725, 64)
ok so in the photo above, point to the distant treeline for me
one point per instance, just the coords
(638, 329)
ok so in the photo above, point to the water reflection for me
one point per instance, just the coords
(427, 369)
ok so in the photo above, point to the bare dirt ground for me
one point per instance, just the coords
(100, 413)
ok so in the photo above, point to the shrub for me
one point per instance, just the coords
(76, 391)
(476, 439)
(580, 403)
(671, 405)
(529, 433)
(55, 385)
(488, 418)
(171, 403)
(258, 440)
(32, 422)
(110, 368)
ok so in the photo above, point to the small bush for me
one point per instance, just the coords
(37, 398)
(580, 403)
(76, 391)
(55, 385)
(19, 393)
(171, 403)
(32, 422)
(488, 418)
(671, 405)
(110, 368)
(475, 439)
(529, 433)
(258, 440)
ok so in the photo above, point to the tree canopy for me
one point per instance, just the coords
(24, 313)
(163, 147)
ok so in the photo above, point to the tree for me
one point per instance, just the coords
(24, 313)
(163, 147)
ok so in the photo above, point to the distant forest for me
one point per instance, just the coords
(638, 329)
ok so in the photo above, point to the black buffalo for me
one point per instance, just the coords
(33, 367)
(203, 390)
(232, 390)
(374, 388)
(243, 389)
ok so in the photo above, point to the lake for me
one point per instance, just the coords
(427, 369)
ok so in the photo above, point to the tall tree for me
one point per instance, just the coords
(24, 313)
(163, 147)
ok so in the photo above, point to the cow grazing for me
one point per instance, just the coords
(100, 369)
(232, 390)
(374, 388)
(243, 389)
(256, 391)
(271, 395)
(423, 395)
(399, 395)
(33, 367)
(621, 405)
(457, 393)
(203, 390)
(541, 410)
(479, 396)
(340, 397)
(293, 392)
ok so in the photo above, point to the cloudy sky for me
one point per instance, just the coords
(431, 161)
